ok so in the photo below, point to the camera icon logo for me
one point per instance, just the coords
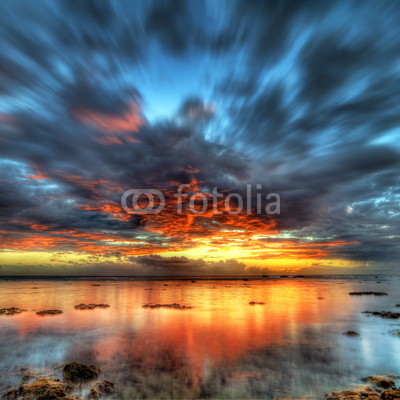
(152, 207)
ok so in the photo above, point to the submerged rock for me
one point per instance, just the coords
(384, 314)
(11, 311)
(368, 293)
(172, 305)
(49, 312)
(253, 303)
(76, 372)
(351, 333)
(378, 381)
(90, 306)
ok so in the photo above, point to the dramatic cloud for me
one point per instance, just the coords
(298, 98)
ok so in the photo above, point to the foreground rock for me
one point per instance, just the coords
(253, 303)
(11, 311)
(368, 293)
(383, 389)
(379, 382)
(391, 395)
(384, 314)
(76, 372)
(172, 305)
(49, 312)
(41, 389)
(90, 306)
(363, 394)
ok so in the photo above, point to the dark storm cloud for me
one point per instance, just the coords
(307, 105)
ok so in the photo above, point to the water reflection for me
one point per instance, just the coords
(291, 347)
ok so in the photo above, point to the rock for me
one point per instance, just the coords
(368, 293)
(378, 381)
(93, 394)
(11, 311)
(49, 312)
(43, 389)
(395, 332)
(384, 314)
(90, 306)
(105, 387)
(351, 333)
(363, 394)
(320, 298)
(76, 372)
(172, 305)
(102, 388)
(253, 303)
(11, 394)
(390, 395)
(194, 281)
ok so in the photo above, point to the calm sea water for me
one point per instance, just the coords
(292, 347)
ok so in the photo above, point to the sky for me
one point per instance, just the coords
(296, 98)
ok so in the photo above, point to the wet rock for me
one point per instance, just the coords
(90, 306)
(43, 389)
(11, 394)
(101, 388)
(384, 314)
(76, 372)
(390, 395)
(253, 303)
(363, 394)
(351, 333)
(395, 332)
(93, 394)
(49, 312)
(172, 305)
(368, 294)
(380, 382)
(11, 311)
(397, 305)
(390, 376)
(105, 387)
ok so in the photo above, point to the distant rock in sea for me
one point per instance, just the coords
(49, 312)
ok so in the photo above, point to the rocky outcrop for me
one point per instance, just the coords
(11, 311)
(76, 372)
(90, 306)
(49, 312)
(384, 314)
(368, 293)
(172, 305)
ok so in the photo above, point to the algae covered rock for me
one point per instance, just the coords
(76, 372)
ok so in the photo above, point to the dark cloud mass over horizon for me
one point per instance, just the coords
(300, 97)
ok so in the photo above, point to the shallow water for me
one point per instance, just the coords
(292, 347)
